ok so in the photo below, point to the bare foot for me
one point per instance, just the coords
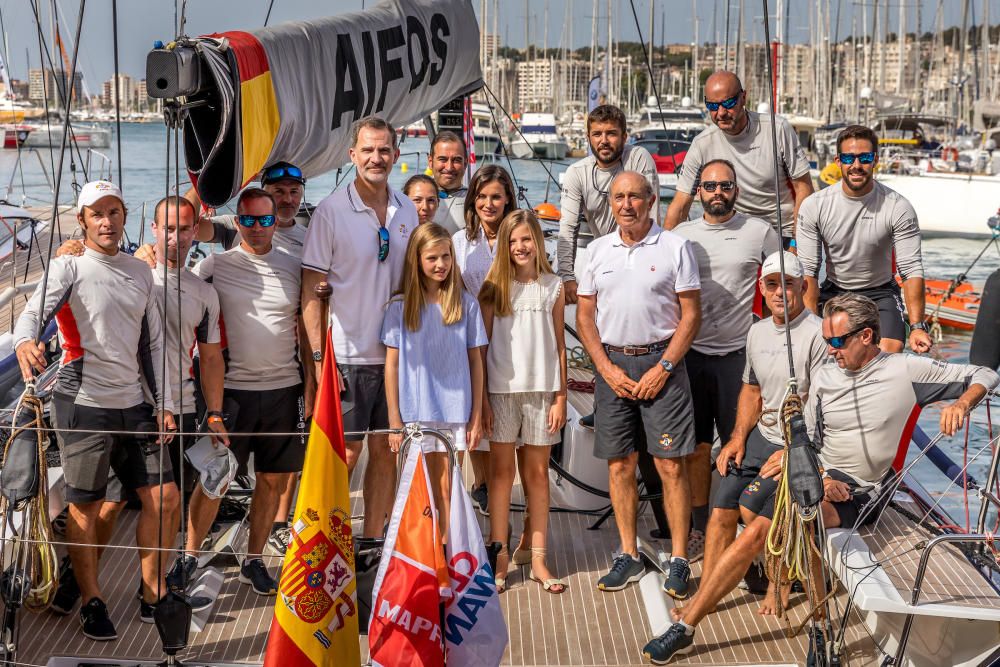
(767, 607)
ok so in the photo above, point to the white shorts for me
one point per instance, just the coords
(523, 416)
(431, 444)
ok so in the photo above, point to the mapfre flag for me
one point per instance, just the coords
(412, 579)
(474, 629)
(315, 616)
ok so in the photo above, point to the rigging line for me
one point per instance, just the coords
(118, 108)
(519, 133)
(17, 144)
(267, 18)
(180, 262)
(520, 193)
(652, 81)
(793, 384)
(62, 156)
(42, 53)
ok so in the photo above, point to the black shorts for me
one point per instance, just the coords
(267, 411)
(886, 297)
(363, 399)
(729, 494)
(716, 380)
(667, 421)
(89, 458)
(850, 510)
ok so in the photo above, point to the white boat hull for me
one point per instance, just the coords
(949, 205)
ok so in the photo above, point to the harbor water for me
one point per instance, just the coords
(144, 181)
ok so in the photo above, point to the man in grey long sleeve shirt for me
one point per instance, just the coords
(112, 339)
(586, 183)
(866, 232)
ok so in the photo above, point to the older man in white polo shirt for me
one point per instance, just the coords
(356, 242)
(638, 311)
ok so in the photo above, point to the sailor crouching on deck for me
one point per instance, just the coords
(258, 287)
(637, 314)
(111, 335)
(863, 404)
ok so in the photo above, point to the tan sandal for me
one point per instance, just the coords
(547, 584)
(501, 582)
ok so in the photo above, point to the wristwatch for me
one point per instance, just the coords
(668, 365)
(922, 326)
(318, 355)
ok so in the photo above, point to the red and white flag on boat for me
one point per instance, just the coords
(412, 579)
(474, 629)
(468, 125)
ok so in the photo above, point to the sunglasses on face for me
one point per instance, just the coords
(249, 221)
(725, 104)
(383, 244)
(277, 173)
(710, 186)
(863, 158)
(838, 342)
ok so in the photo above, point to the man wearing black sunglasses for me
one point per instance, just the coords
(730, 247)
(744, 138)
(864, 232)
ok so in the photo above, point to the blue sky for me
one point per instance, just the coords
(143, 21)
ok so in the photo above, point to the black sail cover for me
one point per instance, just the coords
(291, 92)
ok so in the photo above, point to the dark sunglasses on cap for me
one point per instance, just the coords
(710, 186)
(383, 244)
(725, 104)
(249, 221)
(863, 158)
(838, 342)
(279, 172)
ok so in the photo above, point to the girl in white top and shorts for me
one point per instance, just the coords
(522, 304)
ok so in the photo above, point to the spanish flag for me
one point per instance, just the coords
(316, 613)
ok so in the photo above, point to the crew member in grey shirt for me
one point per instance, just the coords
(586, 183)
(730, 248)
(744, 138)
(258, 287)
(865, 406)
(448, 160)
(866, 232)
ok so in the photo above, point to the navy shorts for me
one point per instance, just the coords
(666, 421)
(363, 399)
(886, 297)
(716, 381)
(730, 492)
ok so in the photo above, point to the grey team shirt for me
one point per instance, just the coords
(451, 210)
(259, 297)
(109, 328)
(752, 154)
(866, 415)
(290, 239)
(585, 192)
(858, 237)
(199, 323)
(767, 363)
(729, 255)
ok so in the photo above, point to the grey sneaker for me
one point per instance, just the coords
(279, 540)
(254, 572)
(676, 584)
(481, 499)
(675, 641)
(182, 572)
(624, 570)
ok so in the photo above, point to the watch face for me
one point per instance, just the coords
(317, 356)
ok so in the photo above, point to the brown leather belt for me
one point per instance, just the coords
(638, 350)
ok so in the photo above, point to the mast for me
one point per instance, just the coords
(649, 79)
(740, 51)
(959, 107)
(901, 44)
(694, 51)
(607, 60)
(593, 41)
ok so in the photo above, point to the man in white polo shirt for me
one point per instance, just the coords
(638, 311)
(356, 242)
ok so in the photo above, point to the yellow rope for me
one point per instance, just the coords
(33, 548)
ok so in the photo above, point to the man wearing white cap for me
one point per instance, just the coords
(111, 337)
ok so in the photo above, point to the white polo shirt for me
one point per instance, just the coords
(637, 285)
(342, 241)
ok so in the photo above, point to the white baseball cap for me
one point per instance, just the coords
(793, 267)
(95, 190)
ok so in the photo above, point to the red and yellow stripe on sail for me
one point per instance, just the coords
(258, 102)
(316, 612)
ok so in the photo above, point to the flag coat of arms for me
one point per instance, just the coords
(412, 579)
(316, 612)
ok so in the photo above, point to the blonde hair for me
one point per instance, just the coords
(496, 288)
(414, 281)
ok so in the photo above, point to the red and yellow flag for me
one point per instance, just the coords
(316, 613)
